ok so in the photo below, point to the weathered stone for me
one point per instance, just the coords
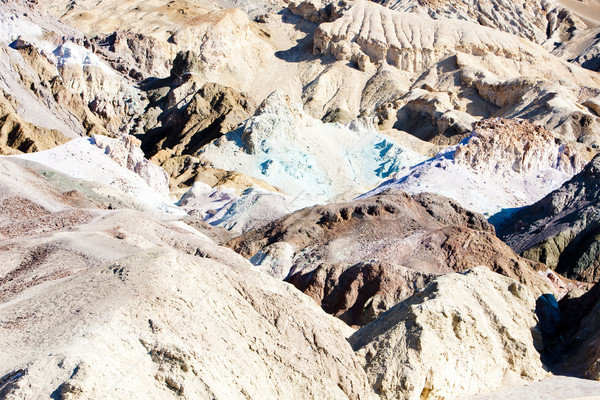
(461, 335)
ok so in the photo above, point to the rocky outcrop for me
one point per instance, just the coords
(19, 136)
(503, 164)
(460, 336)
(367, 32)
(357, 294)
(184, 171)
(561, 229)
(236, 52)
(430, 116)
(132, 54)
(528, 19)
(582, 47)
(499, 74)
(589, 56)
(238, 211)
(126, 152)
(544, 102)
(358, 259)
(310, 160)
(191, 117)
(317, 11)
(515, 146)
(184, 115)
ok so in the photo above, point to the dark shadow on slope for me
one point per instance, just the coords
(502, 216)
(303, 50)
(561, 325)
(549, 315)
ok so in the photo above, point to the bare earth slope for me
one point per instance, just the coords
(114, 307)
(163, 325)
(503, 164)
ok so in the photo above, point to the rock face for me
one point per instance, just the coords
(20, 136)
(561, 229)
(132, 54)
(358, 259)
(253, 111)
(238, 211)
(462, 335)
(126, 152)
(503, 164)
(515, 146)
(583, 49)
(189, 120)
(430, 77)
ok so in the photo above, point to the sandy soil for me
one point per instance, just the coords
(587, 10)
(553, 387)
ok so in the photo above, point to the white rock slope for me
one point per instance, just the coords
(463, 334)
(114, 162)
(503, 164)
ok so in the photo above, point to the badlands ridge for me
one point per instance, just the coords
(273, 199)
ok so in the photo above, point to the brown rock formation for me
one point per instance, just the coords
(360, 258)
(205, 115)
(19, 136)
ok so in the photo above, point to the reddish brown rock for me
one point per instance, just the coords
(358, 259)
